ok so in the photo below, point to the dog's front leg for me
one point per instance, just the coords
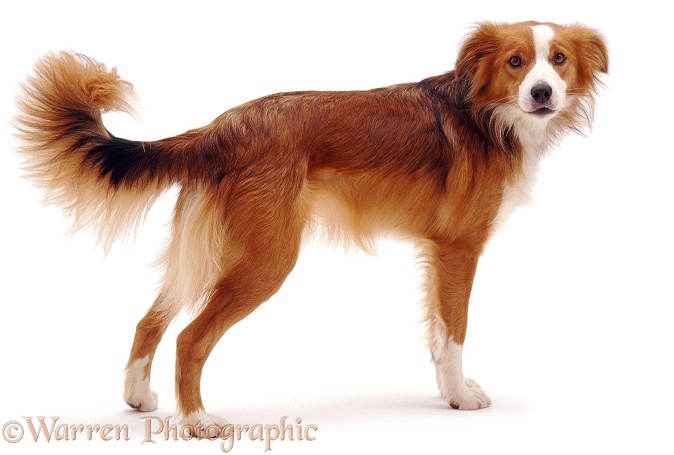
(452, 269)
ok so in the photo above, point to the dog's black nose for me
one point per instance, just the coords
(541, 93)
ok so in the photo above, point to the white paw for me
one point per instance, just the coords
(202, 425)
(144, 401)
(137, 393)
(460, 393)
(468, 396)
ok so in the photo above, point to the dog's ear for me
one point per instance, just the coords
(475, 46)
(594, 46)
(591, 49)
(471, 68)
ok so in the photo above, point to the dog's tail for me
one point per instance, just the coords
(100, 180)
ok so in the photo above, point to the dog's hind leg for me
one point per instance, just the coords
(265, 217)
(190, 269)
(250, 283)
(149, 331)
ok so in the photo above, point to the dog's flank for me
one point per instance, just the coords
(441, 163)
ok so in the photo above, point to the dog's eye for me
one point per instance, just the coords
(559, 58)
(515, 61)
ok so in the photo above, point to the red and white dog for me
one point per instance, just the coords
(441, 163)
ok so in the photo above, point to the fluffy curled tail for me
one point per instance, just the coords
(100, 180)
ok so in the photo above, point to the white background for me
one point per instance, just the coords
(571, 316)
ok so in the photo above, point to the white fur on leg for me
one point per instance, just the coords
(137, 393)
(461, 393)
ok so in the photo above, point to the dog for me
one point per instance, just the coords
(441, 163)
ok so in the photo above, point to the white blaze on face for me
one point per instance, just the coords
(531, 124)
(543, 73)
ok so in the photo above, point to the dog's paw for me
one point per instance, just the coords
(468, 396)
(141, 400)
(201, 425)
(137, 393)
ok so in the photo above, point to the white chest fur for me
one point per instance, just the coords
(517, 192)
(531, 130)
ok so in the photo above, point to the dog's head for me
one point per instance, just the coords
(533, 74)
